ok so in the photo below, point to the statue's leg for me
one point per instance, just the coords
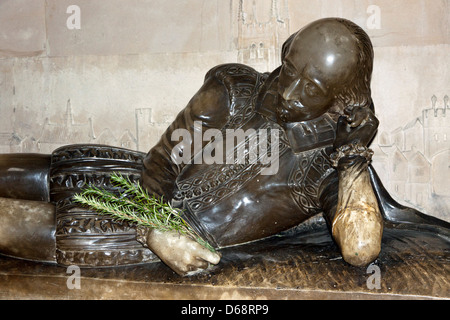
(25, 176)
(27, 219)
(27, 229)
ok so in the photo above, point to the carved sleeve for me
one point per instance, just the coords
(350, 161)
(209, 108)
(351, 206)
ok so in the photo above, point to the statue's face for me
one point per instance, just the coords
(319, 63)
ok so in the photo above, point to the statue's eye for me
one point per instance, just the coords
(289, 70)
(311, 90)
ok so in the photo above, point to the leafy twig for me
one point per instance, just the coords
(134, 204)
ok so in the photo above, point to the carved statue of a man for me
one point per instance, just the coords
(317, 112)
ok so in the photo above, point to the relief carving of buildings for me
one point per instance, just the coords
(262, 30)
(414, 160)
(262, 27)
(67, 130)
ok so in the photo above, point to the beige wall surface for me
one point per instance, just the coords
(117, 72)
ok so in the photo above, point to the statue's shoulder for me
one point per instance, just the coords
(232, 74)
(232, 86)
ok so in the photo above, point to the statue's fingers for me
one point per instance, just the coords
(209, 256)
(198, 264)
(358, 118)
(201, 252)
(357, 122)
(348, 111)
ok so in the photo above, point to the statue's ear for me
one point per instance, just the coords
(286, 46)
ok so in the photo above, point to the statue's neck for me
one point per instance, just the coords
(267, 101)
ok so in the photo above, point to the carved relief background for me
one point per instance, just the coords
(120, 73)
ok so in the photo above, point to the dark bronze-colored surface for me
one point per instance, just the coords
(83, 237)
(24, 176)
(317, 101)
(303, 264)
(27, 229)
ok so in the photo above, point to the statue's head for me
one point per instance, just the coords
(326, 66)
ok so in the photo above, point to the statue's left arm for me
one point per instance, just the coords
(349, 201)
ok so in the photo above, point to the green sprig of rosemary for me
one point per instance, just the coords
(133, 204)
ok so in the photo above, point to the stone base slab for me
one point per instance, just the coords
(301, 264)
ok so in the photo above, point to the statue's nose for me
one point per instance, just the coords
(292, 92)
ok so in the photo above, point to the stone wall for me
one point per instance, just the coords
(118, 71)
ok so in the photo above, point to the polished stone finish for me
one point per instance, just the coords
(302, 264)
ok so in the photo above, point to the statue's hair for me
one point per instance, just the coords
(357, 92)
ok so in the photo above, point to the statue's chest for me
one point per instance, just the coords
(250, 152)
(262, 160)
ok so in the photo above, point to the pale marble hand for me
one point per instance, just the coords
(182, 254)
(357, 226)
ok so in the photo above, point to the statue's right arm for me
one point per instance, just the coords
(211, 107)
